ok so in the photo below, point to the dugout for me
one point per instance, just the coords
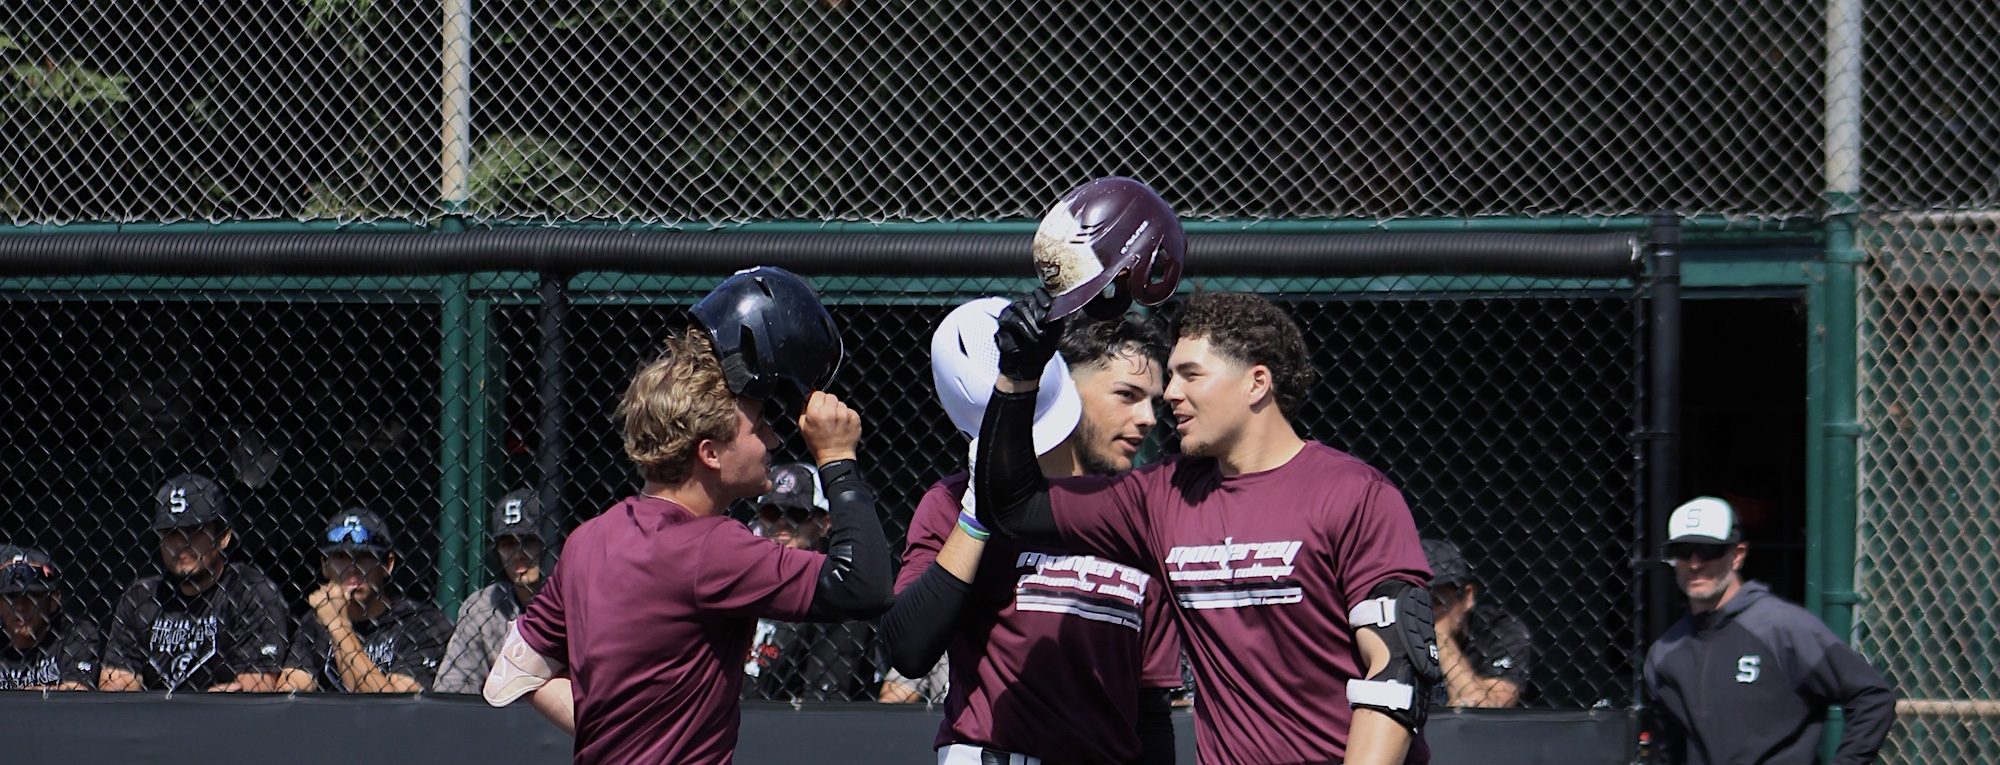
(1518, 399)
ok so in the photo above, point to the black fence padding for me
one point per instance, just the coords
(1530, 737)
(1609, 254)
(218, 729)
(258, 729)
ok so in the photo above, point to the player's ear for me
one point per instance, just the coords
(388, 564)
(709, 453)
(223, 542)
(1258, 385)
(53, 604)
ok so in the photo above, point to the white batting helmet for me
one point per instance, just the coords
(965, 363)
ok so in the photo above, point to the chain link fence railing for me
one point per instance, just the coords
(1504, 407)
(1931, 384)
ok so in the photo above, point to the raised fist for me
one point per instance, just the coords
(831, 429)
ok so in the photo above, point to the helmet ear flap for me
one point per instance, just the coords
(1113, 304)
(1156, 275)
(737, 370)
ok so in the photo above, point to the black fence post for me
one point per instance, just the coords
(1663, 459)
(552, 357)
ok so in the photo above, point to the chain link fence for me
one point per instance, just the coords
(1927, 615)
(663, 111)
(1504, 408)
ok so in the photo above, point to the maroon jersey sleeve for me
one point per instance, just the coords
(742, 574)
(930, 525)
(1105, 515)
(544, 626)
(1160, 640)
(1379, 544)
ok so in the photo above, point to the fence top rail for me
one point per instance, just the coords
(1603, 254)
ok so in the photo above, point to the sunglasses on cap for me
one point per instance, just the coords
(22, 574)
(356, 534)
(1693, 551)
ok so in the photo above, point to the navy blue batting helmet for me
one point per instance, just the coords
(775, 339)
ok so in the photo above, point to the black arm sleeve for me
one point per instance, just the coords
(1156, 727)
(1013, 497)
(919, 626)
(1669, 739)
(854, 583)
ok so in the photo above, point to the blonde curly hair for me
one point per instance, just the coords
(674, 403)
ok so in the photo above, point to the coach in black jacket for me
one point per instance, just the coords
(1747, 677)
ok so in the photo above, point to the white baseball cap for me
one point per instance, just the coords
(1704, 520)
(965, 362)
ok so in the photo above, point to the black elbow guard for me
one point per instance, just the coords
(1400, 614)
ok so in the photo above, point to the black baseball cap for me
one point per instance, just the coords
(1448, 566)
(355, 530)
(188, 500)
(26, 569)
(519, 514)
(794, 490)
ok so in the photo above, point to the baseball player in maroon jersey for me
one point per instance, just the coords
(1296, 569)
(1054, 657)
(652, 607)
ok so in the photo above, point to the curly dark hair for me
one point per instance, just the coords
(1250, 330)
(1089, 343)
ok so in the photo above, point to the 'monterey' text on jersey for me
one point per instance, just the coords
(1052, 648)
(1264, 567)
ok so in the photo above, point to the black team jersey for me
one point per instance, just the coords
(408, 639)
(67, 654)
(183, 643)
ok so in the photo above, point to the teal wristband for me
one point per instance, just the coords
(971, 525)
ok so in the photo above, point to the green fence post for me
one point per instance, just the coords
(480, 450)
(453, 438)
(1841, 434)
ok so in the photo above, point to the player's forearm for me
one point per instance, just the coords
(1156, 727)
(1013, 495)
(257, 682)
(1486, 692)
(1376, 739)
(918, 628)
(71, 685)
(556, 702)
(854, 581)
(110, 679)
(1461, 683)
(359, 672)
(296, 680)
(960, 555)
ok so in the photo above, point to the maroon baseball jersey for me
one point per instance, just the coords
(1263, 567)
(1052, 648)
(653, 609)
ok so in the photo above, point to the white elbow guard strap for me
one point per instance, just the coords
(1400, 614)
(518, 670)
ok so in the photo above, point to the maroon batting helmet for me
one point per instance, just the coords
(1104, 230)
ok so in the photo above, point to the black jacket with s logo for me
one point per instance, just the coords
(1750, 683)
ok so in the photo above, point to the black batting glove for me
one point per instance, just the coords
(1026, 338)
